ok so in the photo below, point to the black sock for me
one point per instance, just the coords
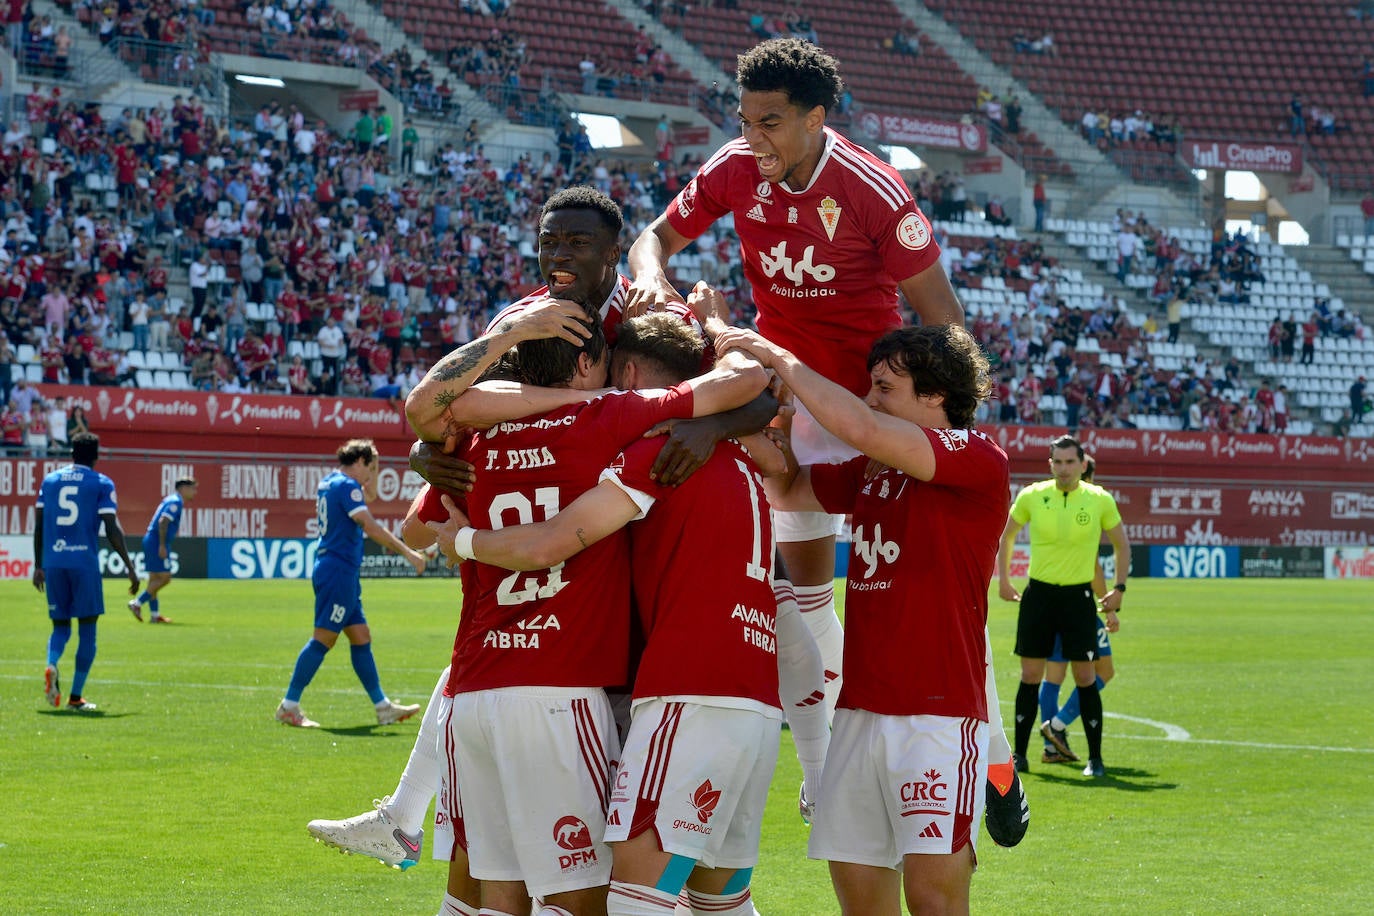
(1027, 714)
(1090, 702)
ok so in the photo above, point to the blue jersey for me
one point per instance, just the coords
(170, 508)
(338, 499)
(73, 499)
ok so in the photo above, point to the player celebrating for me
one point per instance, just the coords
(666, 785)
(72, 503)
(928, 494)
(529, 644)
(157, 548)
(343, 520)
(828, 234)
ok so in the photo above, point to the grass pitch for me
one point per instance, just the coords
(1240, 749)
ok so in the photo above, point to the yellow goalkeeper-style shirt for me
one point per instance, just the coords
(1065, 529)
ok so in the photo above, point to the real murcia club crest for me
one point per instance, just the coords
(830, 216)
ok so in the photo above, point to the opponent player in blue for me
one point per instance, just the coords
(72, 503)
(343, 520)
(157, 548)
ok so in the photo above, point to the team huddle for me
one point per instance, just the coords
(588, 575)
(642, 502)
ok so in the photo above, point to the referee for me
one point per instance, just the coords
(1067, 517)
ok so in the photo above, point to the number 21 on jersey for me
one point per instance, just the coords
(523, 587)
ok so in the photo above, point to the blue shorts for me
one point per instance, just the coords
(1104, 645)
(151, 561)
(73, 593)
(338, 597)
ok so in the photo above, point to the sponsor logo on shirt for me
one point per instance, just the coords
(686, 201)
(954, 440)
(829, 212)
(777, 261)
(871, 550)
(756, 213)
(913, 232)
(764, 191)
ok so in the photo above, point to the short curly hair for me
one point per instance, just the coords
(941, 359)
(806, 74)
(585, 197)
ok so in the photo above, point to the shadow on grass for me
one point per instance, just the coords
(368, 731)
(1123, 779)
(65, 713)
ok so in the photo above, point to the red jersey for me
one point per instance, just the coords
(723, 623)
(824, 261)
(611, 310)
(922, 555)
(567, 626)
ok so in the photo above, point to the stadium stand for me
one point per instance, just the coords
(868, 40)
(1169, 60)
(241, 236)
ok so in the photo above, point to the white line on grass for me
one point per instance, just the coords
(1171, 732)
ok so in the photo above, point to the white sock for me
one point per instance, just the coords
(817, 604)
(488, 911)
(801, 687)
(999, 751)
(637, 900)
(741, 904)
(420, 779)
(551, 910)
(290, 704)
(455, 907)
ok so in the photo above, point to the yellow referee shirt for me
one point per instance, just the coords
(1065, 529)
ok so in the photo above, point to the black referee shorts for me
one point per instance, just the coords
(1066, 611)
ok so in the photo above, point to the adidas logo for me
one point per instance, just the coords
(816, 697)
(756, 213)
(614, 819)
(932, 832)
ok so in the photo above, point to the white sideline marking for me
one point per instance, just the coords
(1171, 732)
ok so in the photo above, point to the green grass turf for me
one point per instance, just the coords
(184, 796)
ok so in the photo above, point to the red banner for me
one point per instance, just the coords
(1166, 453)
(1242, 156)
(692, 135)
(236, 499)
(988, 165)
(359, 99)
(886, 127)
(218, 423)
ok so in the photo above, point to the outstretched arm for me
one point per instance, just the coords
(429, 406)
(648, 261)
(596, 514)
(895, 442)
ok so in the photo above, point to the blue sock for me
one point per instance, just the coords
(365, 666)
(152, 603)
(85, 655)
(307, 663)
(1070, 711)
(57, 642)
(145, 597)
(1049, 700)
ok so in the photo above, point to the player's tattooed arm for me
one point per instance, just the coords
(429, 406)
(582, 537)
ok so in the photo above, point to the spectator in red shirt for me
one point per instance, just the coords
(392, 321)
(12, 430)
(298, 376)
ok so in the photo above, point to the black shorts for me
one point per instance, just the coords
(1066, 611)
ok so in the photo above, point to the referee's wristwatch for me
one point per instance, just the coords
(1119, 587)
